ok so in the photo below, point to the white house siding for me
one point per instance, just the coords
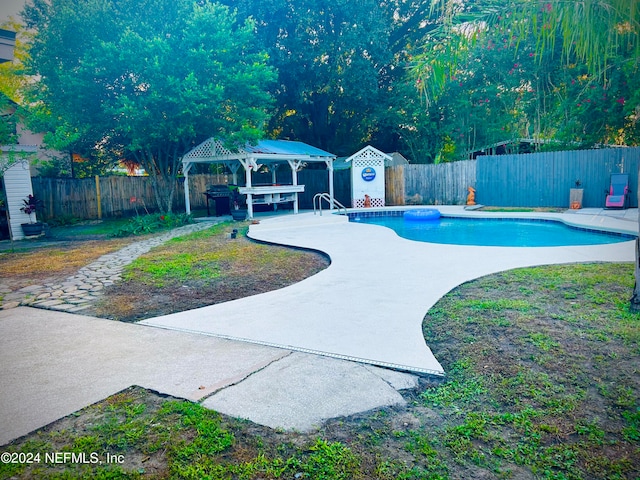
(17, 184)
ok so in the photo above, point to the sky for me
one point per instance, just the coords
(10, 8)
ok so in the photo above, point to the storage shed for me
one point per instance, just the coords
(270, 153)
(367, 177)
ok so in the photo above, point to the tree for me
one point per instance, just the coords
(342, 69)
(146, 80)
(8, 123)
(591, 32)
(328, 55)
(403, 125)
(502, 91)
(12, 83)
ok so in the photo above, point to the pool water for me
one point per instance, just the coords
(493, 232)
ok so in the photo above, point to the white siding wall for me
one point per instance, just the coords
(17, 184)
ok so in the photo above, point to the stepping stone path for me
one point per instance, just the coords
(81, 290)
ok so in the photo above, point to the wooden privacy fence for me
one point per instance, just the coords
(545, 179)
(119, 196)
(394, 185)
(442, 184)
(124, 196)
(317, 181)
(530, 180)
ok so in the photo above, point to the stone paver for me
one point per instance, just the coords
(79, 291)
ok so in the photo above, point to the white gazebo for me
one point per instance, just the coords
(270, 153)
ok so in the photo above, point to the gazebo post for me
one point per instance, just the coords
(233, 166)
(294, 164)
(247, 164)
(330, 169)
(187, 204)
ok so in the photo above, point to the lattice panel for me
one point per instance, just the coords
(375, 202)
(369, 158)
(208, 149)
(368, 161)
(221, 150)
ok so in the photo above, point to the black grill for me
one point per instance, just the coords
(220, 195)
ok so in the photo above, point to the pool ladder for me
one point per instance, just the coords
(317, 206)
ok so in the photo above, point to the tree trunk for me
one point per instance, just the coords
(163, 171)
(163, 189)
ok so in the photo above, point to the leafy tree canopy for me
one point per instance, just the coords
(328, 55)
(561, 73)
(12, 83)
(145, 79)
(589, 32)
(8, 121)
(339, 65)
(134, 85)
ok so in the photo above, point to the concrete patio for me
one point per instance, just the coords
(369, 304)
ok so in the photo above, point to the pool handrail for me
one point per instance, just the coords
(333, 203)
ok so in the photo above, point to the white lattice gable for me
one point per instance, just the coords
(368, 157)
(211, 150)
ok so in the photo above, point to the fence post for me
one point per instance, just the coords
(98, 197)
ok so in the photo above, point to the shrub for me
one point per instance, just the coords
(145, 224)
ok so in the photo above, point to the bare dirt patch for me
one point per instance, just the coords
(61, 258)
(41, 262)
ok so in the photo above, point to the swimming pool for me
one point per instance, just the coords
(503, 232)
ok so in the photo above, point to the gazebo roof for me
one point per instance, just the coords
(212, 151)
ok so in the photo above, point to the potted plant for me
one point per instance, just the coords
(238, 205)
(31, 205)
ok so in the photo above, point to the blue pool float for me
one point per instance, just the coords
(423, 214)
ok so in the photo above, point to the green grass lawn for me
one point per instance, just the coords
(91, 227)
(69, 227)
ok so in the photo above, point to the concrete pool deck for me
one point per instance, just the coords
(368, 305)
